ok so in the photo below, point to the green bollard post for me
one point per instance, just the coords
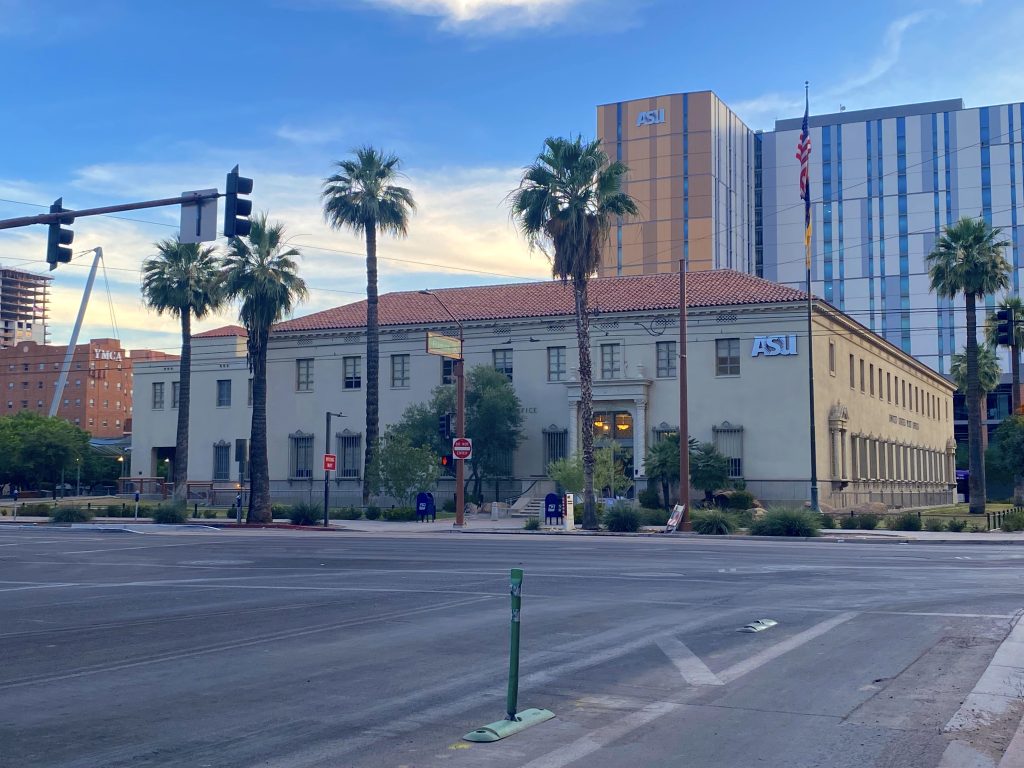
(512, 699)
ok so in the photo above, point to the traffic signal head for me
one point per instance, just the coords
(1004, 327)
(237, 209)
(446, 461)
(444, 426)
(59, 238)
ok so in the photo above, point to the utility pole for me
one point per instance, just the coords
(327, 472)
(684, 426)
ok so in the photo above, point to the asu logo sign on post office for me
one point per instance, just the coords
(774, 346)
(651, 117)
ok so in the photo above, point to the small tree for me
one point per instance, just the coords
(610, 471)
(709, 469)
(567, 473)
(1008, 452)
(662, 464)
(400, 469)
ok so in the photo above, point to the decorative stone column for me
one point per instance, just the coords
(640, 437)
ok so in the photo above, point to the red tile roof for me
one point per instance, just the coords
(723, 287)
(224, 330)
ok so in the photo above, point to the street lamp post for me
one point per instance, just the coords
(327, 472)
(460, 416)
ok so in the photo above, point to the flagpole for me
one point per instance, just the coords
(810, 324)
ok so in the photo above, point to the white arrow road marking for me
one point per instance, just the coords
(693, 670)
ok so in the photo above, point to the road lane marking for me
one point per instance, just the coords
(693, 670)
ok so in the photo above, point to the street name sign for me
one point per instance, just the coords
(445, 346)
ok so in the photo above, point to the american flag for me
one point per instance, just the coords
(803, 154)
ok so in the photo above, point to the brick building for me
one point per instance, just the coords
(98, 394)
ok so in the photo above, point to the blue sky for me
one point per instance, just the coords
(111, 100)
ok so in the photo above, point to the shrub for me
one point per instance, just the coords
(113, 510)
(849, 522)
(741, 500)
(280, 511)
(907, 521)
(956, 526)
(532, 524)
(372, 513)
(448, 506)
(868, 522)
(401, 515)
(346, 513)
(170, 514)
(622, 518)
(1013, 521)
(827, 521)
(934, 524)
(713, 523)
(210, 514)
(649, 497)
(70, 515)
(35, 510)
(786, 522)
(649, 516)
(305, 513)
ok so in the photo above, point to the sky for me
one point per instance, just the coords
(112, 101)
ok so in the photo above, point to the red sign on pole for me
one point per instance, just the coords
(462, 448)
(330, 462)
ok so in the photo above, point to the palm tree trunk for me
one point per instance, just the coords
(372, 356)
(259, 468)
(586, 403)
(975, 447)
(184, 394)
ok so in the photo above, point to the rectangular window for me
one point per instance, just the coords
(221, 462)
(853, 380)
(611, 361)
(399, 371)
(503, 361)
(304, 375)
(158, 395)
(832, 357)
(727, 357)
(249, 399)
(871, 379)
(175, 393)
(350, 454)
(888, 387)
(881, 394)
(556, 364)
(302, 456)
(862, 374)
(352, 368)
(223, 393)
(666, 359)
(728, 440)
(447, 371)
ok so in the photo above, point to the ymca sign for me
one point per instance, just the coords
(774, 346)
(106, 354)
(651, 117)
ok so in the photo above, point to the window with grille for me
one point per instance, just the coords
(399, 371)
(611, 361)
(728, 440)
(301, 456)
(503, 361)
(832, 357)
(158, 395)
(556, 445)
(556, 363)
(727, 357)
(222, 461)
(664, 431)
(304, 375)
(175, 393)
(350, 454)
(223, 393)
(666, 359)
(353, 372)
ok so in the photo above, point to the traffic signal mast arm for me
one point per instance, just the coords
(63, 216)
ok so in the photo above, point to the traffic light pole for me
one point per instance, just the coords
(460, 431)
(61, 217)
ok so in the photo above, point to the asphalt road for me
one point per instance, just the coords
(296, 650)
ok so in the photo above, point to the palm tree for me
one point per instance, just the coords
(182, 279)
(969, 259)
(662, 464)
(363, 197)
(989, 374)
(1014, 303)
(261, 273)
(567, 199)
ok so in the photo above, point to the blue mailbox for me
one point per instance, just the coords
(553, 508)
(425, 506)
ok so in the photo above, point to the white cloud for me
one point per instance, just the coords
(494, 15)
(309, 134)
